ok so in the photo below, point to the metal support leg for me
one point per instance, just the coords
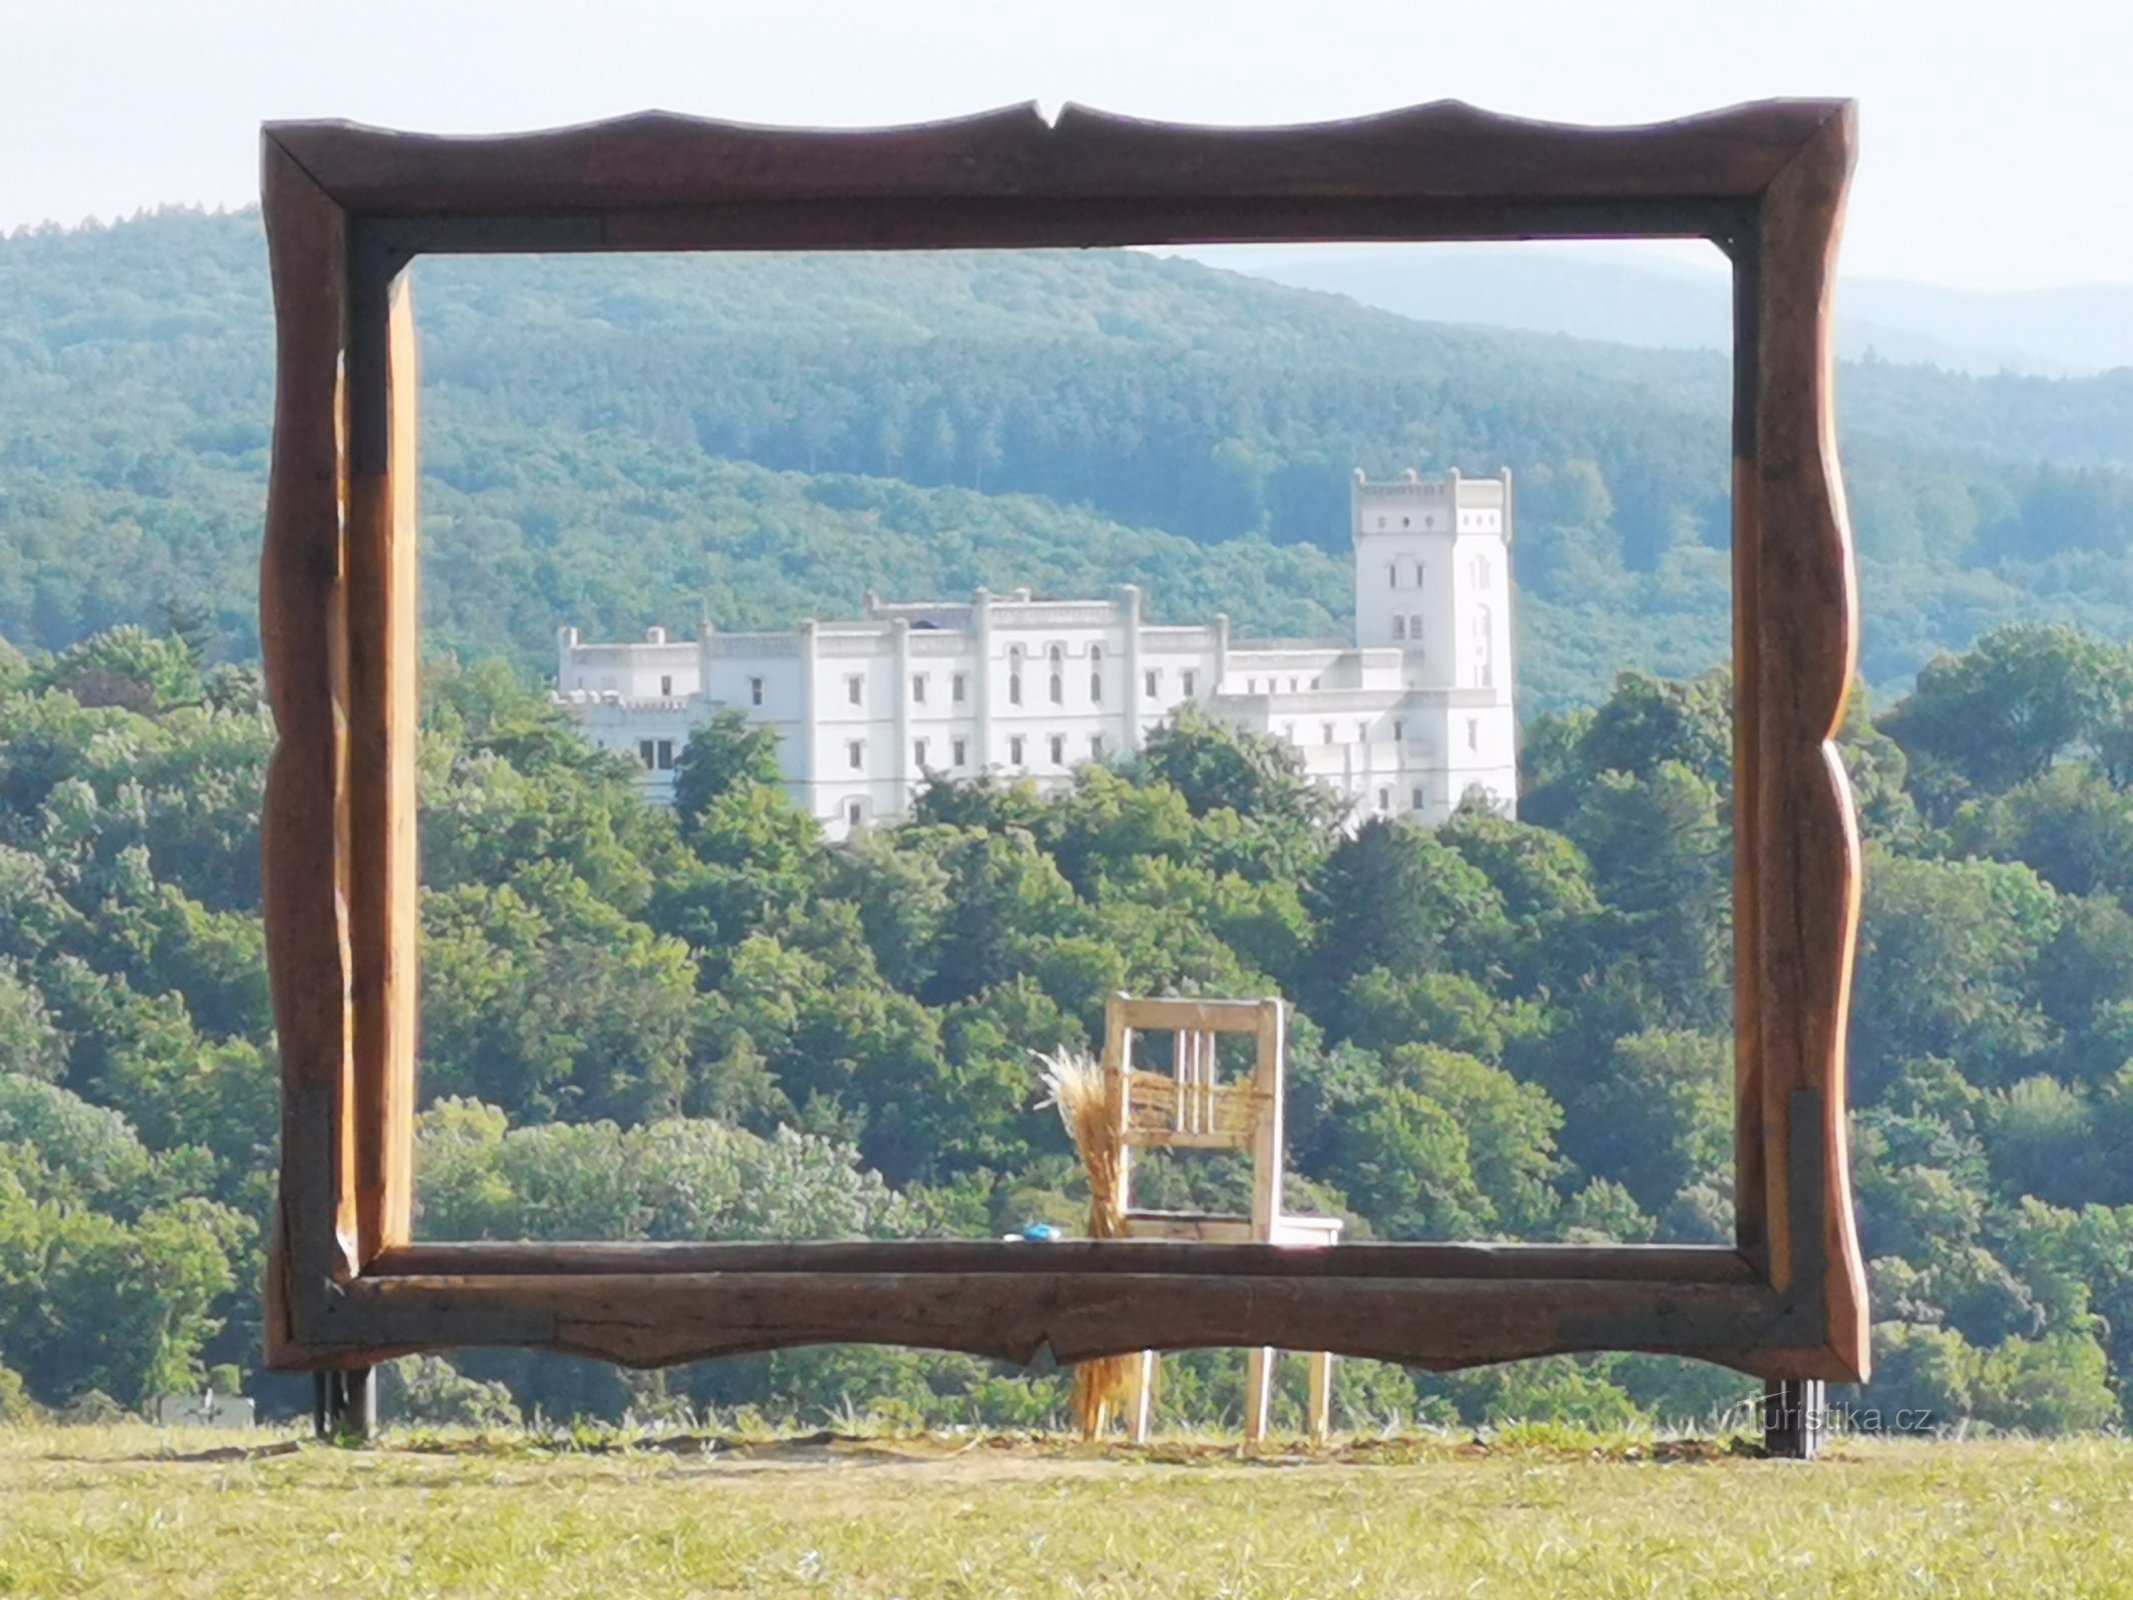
(344, 1405)
(1794, 1413)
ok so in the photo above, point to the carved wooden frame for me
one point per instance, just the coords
(348, 207)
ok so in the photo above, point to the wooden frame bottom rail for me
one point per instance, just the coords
(655, 1319)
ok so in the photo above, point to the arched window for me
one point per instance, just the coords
(1058, 688)
(1014, 688)
(1058, 654)
(1096, 655)
(1384, 799)
(1392, 575)
(1096, 686)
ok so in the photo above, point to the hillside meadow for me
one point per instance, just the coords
(134, 1510)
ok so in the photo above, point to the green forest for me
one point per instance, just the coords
(706, 1022)
(710, 1023)
(628, 440)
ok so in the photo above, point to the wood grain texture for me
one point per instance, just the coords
(383, 711)
(1807, 866)
(303, 827)
(659, 1319)
(1442, 151)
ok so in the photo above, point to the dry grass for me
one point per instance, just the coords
(136, 1511)
(1076, 1085)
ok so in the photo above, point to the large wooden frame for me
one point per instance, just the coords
(347, 208)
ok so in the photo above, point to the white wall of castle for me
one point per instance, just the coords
(1406, 722)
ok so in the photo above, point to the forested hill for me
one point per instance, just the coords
(621, 441)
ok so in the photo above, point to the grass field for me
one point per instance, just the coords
(139, 1511)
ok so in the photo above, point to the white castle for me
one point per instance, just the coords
(1411, 720)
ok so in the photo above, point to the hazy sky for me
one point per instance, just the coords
(1996, 152)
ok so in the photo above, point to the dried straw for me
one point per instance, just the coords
(1076, 1082)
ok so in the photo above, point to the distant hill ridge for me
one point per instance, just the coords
(1640, 298)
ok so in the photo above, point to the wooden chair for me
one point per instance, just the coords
(1191, 1107)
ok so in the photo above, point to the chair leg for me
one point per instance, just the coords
(1258, 1392)
(1143, 1417)
(1319, 1408)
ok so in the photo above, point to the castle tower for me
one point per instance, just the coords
(1432, 576)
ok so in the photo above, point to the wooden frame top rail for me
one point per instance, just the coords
(346, 209)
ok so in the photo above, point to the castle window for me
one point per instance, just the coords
(1362, 733)
(955, 688)
(1473, 733)
(1014, 749)
(1096, 686)
(1325, 732)
(918, 754)
(1014, 688)
(1407, 522)
(1152, 678)
(854, 688)
(755, 691)
(1418, 799)
(1188, 677)
(854, 812)
(1399, 731)
(647, 752)
(1057, 654)
(1314, 683)
(855, 754)
(960, 749)
(1292, 686)
(1096, 747)
(1096, 654)
(1392, 575)
(1058, 688)
(666, 755)
(1414, 627)
(666, 687)
(1384, 799)
(918, 688)
(1399, 627)
(1058, 749)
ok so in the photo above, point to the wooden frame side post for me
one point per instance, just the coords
(304, 822)
(1805, 903)
(383, 711)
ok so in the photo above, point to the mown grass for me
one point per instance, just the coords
(140, 1511)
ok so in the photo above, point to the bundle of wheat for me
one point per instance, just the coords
(1076, 1082)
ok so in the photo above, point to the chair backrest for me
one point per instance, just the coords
(1191, 1105)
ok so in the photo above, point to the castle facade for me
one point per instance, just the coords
(1410, 719)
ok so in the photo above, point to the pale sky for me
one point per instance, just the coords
(1995, 150)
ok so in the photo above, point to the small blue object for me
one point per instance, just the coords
(1041, 1232)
